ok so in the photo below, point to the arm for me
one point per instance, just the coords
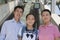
(56, 33)
(3, 32)
(57, 38)
(20, 34)
(19, 38)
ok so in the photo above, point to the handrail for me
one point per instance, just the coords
(26, 10)
(54, 16)
(6, 10)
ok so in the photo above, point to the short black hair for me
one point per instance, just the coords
(46, 10)
(22, 7)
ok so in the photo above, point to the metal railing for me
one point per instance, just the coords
(26, 10)
(6, 10)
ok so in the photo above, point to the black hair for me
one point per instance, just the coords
(19, 7)
(34, 18)
(46, 10)
(29, 14)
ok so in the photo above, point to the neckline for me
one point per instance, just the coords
(15, 21)
(30, 30)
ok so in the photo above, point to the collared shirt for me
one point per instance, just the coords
(10, 30)
(48, 32)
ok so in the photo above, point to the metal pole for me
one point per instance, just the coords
(53, 6)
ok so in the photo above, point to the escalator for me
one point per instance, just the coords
(35, 12)
(28, 8)
(11, 14)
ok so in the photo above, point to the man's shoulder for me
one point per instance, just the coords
(7, 21)
(23, 23)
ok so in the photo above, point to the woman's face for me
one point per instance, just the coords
(46, 17)
(30, 20)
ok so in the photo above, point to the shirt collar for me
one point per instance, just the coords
(15, 21)
(47, 25)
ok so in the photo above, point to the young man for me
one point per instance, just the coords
(10, 28)
(47, 31)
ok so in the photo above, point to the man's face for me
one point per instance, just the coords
(46, 17)
(18, 13)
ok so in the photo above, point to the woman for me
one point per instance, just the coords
(47, 31)
(28, 32)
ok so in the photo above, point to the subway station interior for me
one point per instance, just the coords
(35, 6)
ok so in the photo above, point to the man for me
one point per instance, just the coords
(47, 31)
(10, 28)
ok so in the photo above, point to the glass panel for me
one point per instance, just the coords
(28, 0)
(37, 5)
(58, 7)
(4, 1)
